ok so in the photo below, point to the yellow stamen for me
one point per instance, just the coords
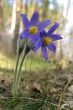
(47, 40)
(33, 30)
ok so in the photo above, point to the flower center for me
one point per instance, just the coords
(47, 40)
(33, 30)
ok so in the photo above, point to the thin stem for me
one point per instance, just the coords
(18, 75)
(17, 79)
(62, 95)
(15, 71)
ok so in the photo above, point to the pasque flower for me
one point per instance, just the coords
(33, 33)
(32, 28)
(46, 40)
(28, 39)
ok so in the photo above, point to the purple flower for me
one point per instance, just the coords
(32, 28)
(46, 40)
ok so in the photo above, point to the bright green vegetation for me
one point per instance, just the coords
(29, 63)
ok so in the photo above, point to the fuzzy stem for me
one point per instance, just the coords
(18, 78)
(15, 72)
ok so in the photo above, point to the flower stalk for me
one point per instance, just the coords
(17, 77)
(24, 51)
(33, 37)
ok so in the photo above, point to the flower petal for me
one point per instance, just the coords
(43, 24)
(42, 34)
(52, 47)
(34, 37)
(34, 18)
(53, 28)
(25, 20)
(37, 45)
(24, 34)
(44, 52)
(55, 37)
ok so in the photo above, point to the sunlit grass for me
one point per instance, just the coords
(9, 63)
(6, 62)
(29, 63)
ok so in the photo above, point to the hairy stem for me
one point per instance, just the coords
(15, 73)
(18, 77)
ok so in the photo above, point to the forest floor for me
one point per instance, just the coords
(54, 84)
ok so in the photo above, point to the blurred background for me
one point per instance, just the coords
(53, 76)
(11, 26)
